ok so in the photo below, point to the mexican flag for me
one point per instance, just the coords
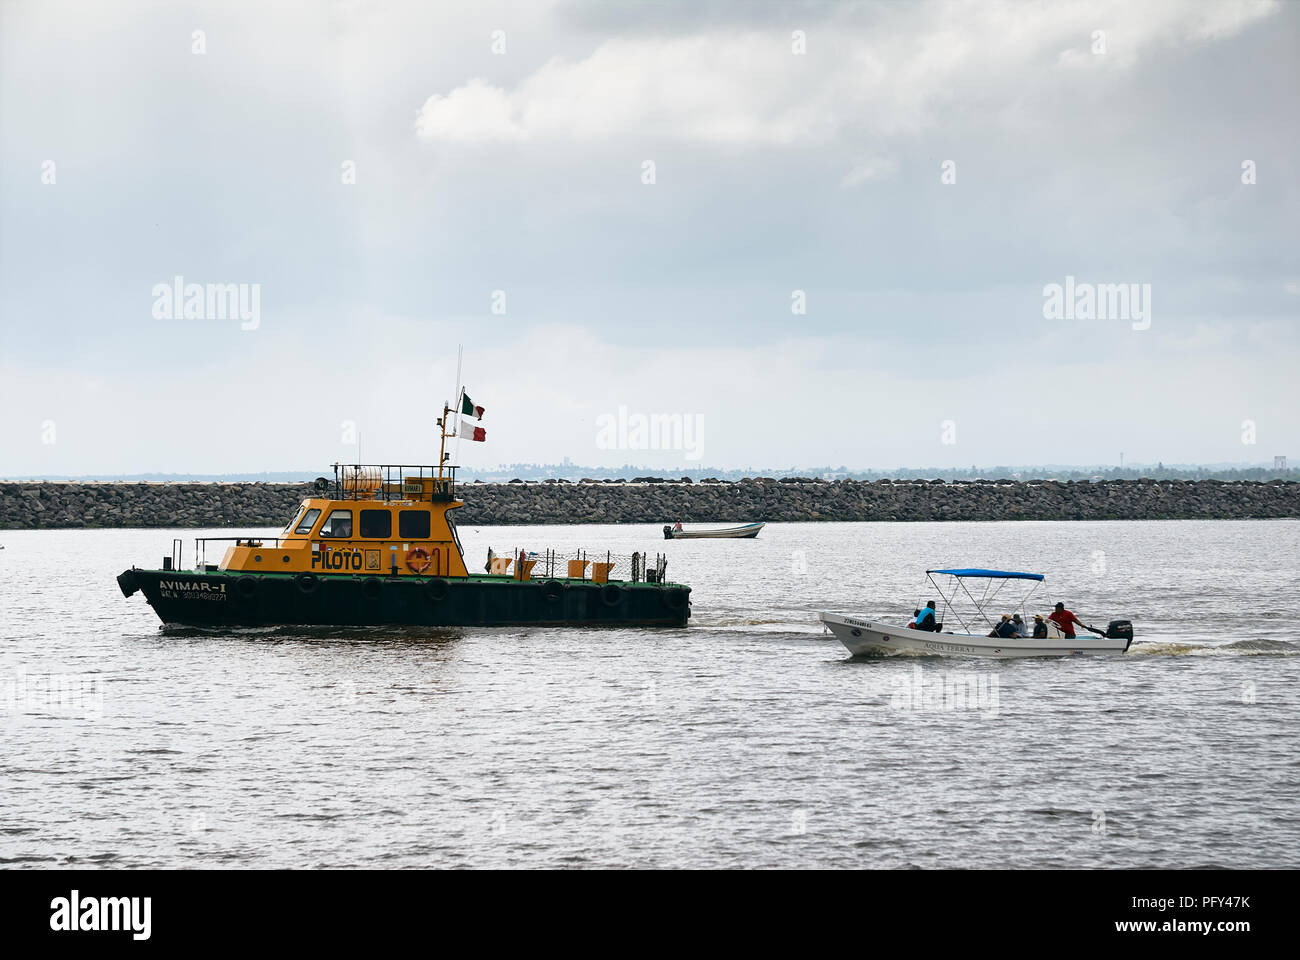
(467, 407)
(470, 432)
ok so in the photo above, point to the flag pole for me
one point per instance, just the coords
(460, 387)
(446, 409)
(460, 395)
(442, 446)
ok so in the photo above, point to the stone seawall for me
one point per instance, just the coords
(51, 505)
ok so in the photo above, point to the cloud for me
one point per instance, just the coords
(733, 89)
(886, 73)
(873, 168)
(471, 113)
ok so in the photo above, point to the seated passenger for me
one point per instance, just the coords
(926, 619)
(1022, 628)
(1005, 628)
(911, 624)
(1040, 627)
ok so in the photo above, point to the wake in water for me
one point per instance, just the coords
(733, 623)
(396, 634)
(1240, 648)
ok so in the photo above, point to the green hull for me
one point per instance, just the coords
(254, 600)
(267, 599)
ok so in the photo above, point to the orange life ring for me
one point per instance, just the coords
(418, 553)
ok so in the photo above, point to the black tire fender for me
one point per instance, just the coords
(127, 583)
(371, 588)
(552, 590)
(306, 582)
(611, 594)
(437, 589)
(247, 587)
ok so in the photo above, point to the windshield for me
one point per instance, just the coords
(305, 522)
(297, 517)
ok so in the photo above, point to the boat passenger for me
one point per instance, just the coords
(1040, 627)
(911, 624)
(677, 526)
(1066, 620)
(1022, 628)
(1005, 628)
(926, 619)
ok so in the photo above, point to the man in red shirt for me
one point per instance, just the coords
(1066, 620)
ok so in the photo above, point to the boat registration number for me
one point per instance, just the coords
(191, 590)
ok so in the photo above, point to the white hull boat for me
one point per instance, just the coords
(863, 636)
(745, 532)
(874, 638)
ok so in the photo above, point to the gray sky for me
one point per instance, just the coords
(1102, 141)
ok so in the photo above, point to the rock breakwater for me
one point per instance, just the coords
(48, 505)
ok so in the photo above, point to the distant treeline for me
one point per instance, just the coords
(1160, 471)
(545, 471)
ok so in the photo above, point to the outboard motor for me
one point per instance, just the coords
(1120, 630)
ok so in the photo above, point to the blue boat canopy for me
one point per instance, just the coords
(991, 574)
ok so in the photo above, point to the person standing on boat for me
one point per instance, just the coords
(926, 619)
(1066, 620)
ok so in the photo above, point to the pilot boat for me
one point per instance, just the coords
(863, 636)
(377, 545)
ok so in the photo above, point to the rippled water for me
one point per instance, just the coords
(747, 739)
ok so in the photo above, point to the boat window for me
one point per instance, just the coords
(293, 520)
(377, 523)
(304, 525)
(337, 524)
(413, 524)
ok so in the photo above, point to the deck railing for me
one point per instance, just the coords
(595, 566)
(388, 481)
(201, 561)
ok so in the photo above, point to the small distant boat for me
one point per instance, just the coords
(746, 531)
(863, 636)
